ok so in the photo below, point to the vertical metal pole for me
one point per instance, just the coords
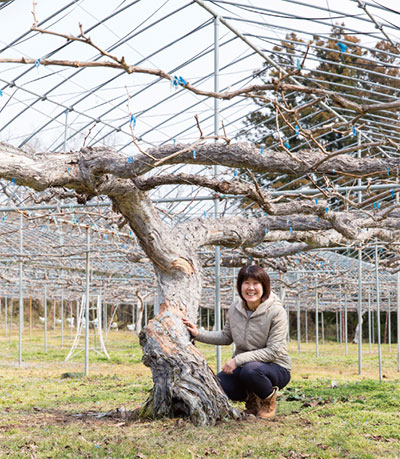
(398, 305)
(87, 301)
(217, 315)
(378, 313)
(45, 318)
(5, 315)
(369, 322)
(346, 350)
(340, 324)
(316, 325)
(398, 320)
(54, 314)
(62, 319)
(360, 320)
(298, 325)
(71, 318)
(389, 326)
(145, 314)
(373, 326)
(21, 299)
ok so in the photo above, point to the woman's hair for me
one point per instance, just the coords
(257, 273)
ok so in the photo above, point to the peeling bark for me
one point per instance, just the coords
(184, 385)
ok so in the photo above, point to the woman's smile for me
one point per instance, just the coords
(252, 291)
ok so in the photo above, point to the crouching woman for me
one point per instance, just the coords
(257, 325)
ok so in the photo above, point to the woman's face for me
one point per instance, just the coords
(252, 291)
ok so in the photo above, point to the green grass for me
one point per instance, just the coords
(327, 411)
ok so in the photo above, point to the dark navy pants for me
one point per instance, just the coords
(256, 377)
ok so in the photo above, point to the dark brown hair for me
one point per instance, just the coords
(257, 273)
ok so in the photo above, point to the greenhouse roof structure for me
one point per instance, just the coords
(216, 45)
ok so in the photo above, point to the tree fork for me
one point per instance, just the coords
(184, 385)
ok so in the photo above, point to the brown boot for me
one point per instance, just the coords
(251, 405)
(267, 406)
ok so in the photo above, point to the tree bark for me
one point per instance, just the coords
(184, 385)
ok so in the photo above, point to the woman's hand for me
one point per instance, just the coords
(191, 327)
(229, 366)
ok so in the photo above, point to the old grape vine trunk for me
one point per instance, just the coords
(184, 384)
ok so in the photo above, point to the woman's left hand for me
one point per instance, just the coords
(229, 366)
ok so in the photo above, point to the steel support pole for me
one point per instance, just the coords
(389, 326)
(5, 316)
(45, 318)
(398, 320)
(21, 299)
(378, 313)
(298, 325)
(369, 322)
(87, 301)
(346, 350)
(360, 320)
(316, 325)
(217, 314)
(62, 319)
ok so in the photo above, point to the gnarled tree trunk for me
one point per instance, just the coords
(184, 385)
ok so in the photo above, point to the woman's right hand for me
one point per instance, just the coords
(191, 327)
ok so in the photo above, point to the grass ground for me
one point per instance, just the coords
(327, 411)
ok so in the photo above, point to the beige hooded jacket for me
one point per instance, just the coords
(259, 337)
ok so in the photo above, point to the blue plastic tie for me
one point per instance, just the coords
(175, 81)
(342, 47)
(297, 130)
(131, 159)
(13, 181)
(298, 64)
(287, 145)
(333, 171)
(205, 214)
(388, 171)
(291, 230)
(266, 230)
(374, 205)
(235, 173)
(1, 92)
(326, 209)
(182, 81)
(354, 131)
(37, 63)
(174, 140)
(261, 150)
(194, 154)
(377, 205)
(392, 193)
(132, 121)
(316, 200)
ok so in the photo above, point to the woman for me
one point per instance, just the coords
(257, 325)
